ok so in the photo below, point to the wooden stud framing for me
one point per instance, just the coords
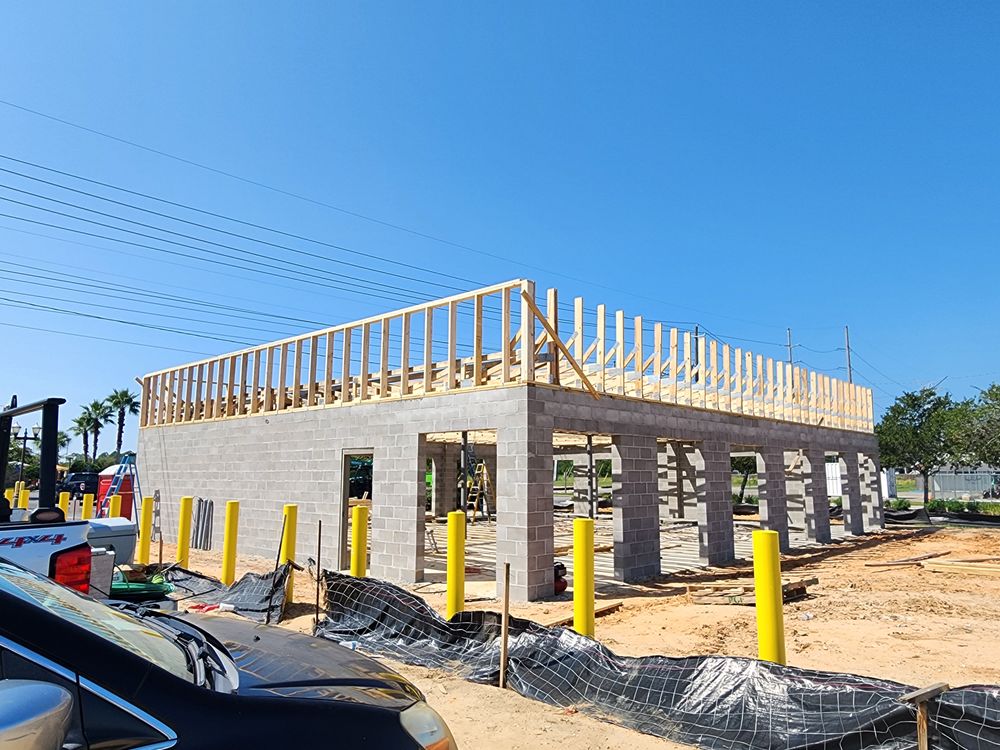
(346, 394)
(712, 381)
(477, 341)
(674, 370)
(779, 392)
(703, 389)
(282, 377)
(383, 359)
(269, 380)
(658, 361)
(602, 348)
(363, 374)
(727, 380)
(738, 384)
(404, 357)
(229, 404)
(254, 382)
(452, 346)
(179, 403)
(640, 359)
(688, 370)
(311, 388)
(328, 368)
(505, 349)
(552, 315)
(187, 415)
(428, 350)
(144, 408)
(527, 333)
(620, 349)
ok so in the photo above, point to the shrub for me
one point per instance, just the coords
(838, 501)
(899, 503)
(992, 509)
(954, 506)
(751, 500)
(936, 506)
(972, 506)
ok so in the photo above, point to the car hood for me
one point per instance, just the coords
(283, 663)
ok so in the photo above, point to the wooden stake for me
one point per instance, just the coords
(921, 698)
(505, 625)
(319, 568)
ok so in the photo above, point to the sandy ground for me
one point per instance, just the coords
(900, 623)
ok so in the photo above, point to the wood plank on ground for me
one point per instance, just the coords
(601, 611)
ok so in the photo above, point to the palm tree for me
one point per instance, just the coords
(81, 427)
(124, 401)
(62, 440)
(98, 414)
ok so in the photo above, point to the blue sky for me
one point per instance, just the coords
(749, 167)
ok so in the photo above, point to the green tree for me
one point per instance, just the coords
(97, 414)
(982, 434)
(81, 427)
(124, 402)
(923, 431)
(63, 440)
(745, 465)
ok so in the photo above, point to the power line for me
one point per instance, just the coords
(173, 217)
(891, 380)
(102, 338)
(345, 211)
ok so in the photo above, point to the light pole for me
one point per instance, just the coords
(16, 428)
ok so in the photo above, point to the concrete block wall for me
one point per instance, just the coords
(264, 461)
(854, 523)
(817, 502)
(771, 485)
(795, 490)
(635, 507)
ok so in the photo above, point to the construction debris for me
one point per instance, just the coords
(741, 591)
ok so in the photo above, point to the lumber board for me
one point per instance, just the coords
(565, 549)
(974, 568)
(906, 560)
(601, 611)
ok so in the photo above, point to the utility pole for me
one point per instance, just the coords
(694, 353)
(847, 348)
(791, 360)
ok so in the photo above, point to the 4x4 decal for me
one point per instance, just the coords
(17, 542)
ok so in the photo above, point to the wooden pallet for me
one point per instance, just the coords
(741, 591)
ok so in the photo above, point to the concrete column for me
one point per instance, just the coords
(446, 480)
(871, 493)
(817, 502)
(771, 491)
(636, 508)
(489, 456)
(850, 479)
(795, 493)
(666, 480)
(524, 511)
(398, 492)
(715, 504)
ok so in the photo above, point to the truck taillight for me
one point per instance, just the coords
(72, 568)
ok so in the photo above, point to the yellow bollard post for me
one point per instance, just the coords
(64, 503)
(184, 531)
(229, 542)
(583, 576)
(288, 545)
(456, 563)
(115, 507)
(87, 511)
(145, 531)
(18, 486)
(23, 499)
(359, 541)
(8, 495)
(768, 594)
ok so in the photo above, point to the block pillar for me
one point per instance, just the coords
(817, 501)
(636, 508)
(399, 497)
(771, 491)
(850, 480)
(715, 503)
(446, 480)
(795, 492)
(871, 491)
(524, 511)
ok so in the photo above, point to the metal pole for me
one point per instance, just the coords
(694, 353)
(847, 348)
(465, 472)
(505, 625)
(319, 568)
(48, 455)
(24, 448)
(791, 359)
(591, 479)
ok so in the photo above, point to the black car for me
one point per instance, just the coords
(147, 679)
(79, 483)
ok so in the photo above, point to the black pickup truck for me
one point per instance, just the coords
(79, 483)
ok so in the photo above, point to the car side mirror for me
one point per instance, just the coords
(33, 715)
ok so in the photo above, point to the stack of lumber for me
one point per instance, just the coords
(741, 591)
(981, 566)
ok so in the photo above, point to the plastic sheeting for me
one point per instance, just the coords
(251, 596)
(713, 702)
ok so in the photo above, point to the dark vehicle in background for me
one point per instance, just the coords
(79, 483)
(141, 678)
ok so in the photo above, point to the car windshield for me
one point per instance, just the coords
(120, 628)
